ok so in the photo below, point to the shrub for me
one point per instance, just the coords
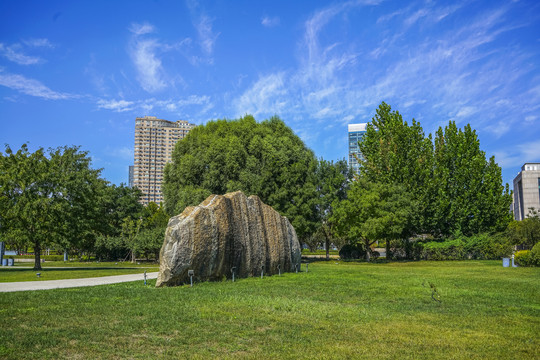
(479, 246)
(352, 252)
(535, 252)
(446, 250)
(528, 257)
(523, 258)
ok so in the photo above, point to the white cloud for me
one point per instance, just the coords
(13, 53)
(147, 53)
(141, 29)
(517, 155)
(206, 35)
(116, 105)
(270, 21)
(148, 105)
(266, 96)
(148, 64)
(31, 87)
(530, 152)
(38, 43)
(203, 25)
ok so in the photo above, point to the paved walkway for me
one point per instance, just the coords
(69, 283)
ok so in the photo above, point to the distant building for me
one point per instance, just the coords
(154, 143)
(131, 170)
(356, 131)
(527, 190)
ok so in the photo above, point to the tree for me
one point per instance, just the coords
(395, 152)
(118, 203)
(48, 199)
(525, 233)
(455, 189)
(266, 159)
(373, 211)
(332, 184)
(130, 231)
(470, 195)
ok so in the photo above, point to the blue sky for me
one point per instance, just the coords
(78, 73)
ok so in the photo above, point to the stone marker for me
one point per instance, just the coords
(225, 232)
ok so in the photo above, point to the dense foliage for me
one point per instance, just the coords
(266, 159)
(48, 198)
(54, 199)
(372, 211)
(481, 246)
(454, 188)
(525, 233)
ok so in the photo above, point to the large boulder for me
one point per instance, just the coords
(223, 232)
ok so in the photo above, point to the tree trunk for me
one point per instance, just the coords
(37, 256)
(368, 250)
(133, 256)
(326, 243)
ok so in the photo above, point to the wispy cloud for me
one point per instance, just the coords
(31, 87)
(148, 64)
(38, 43)
(14, 53)
(141, 29)
(267, 96)
(202, 102)
(17, 52)
(116, 105)
(206, 35)
(268, 21)
(454, 76)
(517, 155)
(147, 53)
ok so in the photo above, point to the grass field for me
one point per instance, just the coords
(56, 270)
(25, 274)
(337, 310)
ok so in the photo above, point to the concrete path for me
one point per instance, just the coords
(69, 283)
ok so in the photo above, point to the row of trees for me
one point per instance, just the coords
(55, 199)
(410, 186)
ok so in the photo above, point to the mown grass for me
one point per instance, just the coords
(337, 310)
(26, 274)
(88, 264)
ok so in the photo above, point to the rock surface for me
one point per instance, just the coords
(223, 232)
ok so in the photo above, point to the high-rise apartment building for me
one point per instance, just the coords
(154, 143)
(527, 190)
(356, 131)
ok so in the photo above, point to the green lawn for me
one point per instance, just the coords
(87, 264)
(26, 274)
(337, 310)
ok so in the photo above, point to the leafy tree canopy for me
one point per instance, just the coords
(373, 211)
(455, 189)
(266, 159)
(48, 198)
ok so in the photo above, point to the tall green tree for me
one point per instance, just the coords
(395, 152)
(455, 189)
(332, 184)
(470, 196)
(373, 211)
(266, 159)
(48, 199)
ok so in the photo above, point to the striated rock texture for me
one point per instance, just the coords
(223, 232)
